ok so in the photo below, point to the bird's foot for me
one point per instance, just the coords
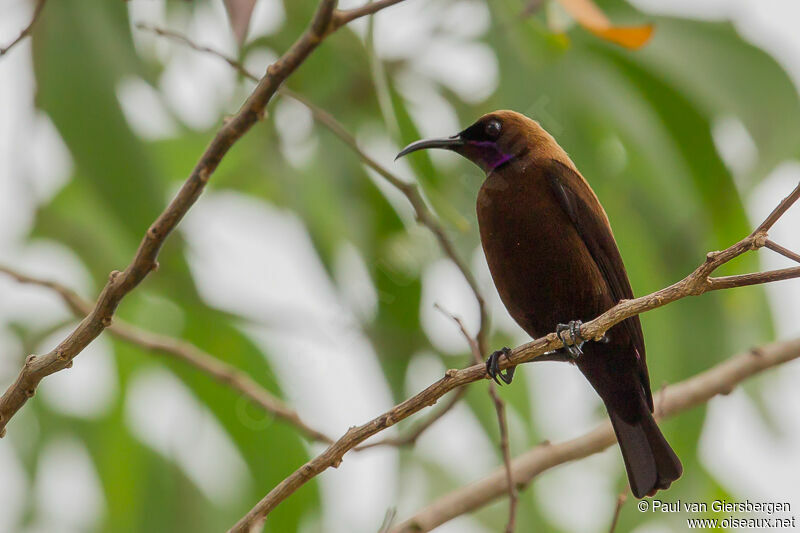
(574, 329)
(493, 366)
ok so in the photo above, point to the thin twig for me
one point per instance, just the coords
(618, 509)
(340, 18)
(185, 351)
(500, 409)
(145, 260)
(423, 214)
(775, 247)
(177, 36)
(27, 31)
(743, 280)
(410, 438)
(388, 519)
(694, 284)
(777, 213)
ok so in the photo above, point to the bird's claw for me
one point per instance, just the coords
(493, 366)
(574, 329)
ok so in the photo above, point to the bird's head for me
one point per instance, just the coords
(494, 140)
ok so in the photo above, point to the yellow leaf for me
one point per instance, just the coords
(632, 37)
(588, 15)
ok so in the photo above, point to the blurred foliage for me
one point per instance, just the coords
(637, 123)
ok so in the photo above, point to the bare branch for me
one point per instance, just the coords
(185, 351)
(719, 380)
(775, 247)
(341, 18)
(778, 212)
(177, 36)
(410, 438)
(27, 31)
(694, 284)
(743, 280)
(391, 513)
(618, 509)
(121, 283)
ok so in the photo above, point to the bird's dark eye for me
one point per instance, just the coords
(493, 128)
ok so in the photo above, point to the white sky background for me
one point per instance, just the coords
(271, 245)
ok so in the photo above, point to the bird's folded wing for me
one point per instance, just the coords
(584, 210)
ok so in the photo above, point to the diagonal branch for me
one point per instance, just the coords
(145, 260)
(184, 351)
(718, 380)
(775, 247)
(410, 438)
(340, 18)
(176, 36)
(621, 498)
(410, 190)
(777, 213)
(698, 282)
(743, 280)
(27, 30)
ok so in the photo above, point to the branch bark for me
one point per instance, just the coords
(775, 247)
(27, 30)
(145, 260)
(621, 498)
(343, 17)
(719, 380)
(410, 437)
(698, 282)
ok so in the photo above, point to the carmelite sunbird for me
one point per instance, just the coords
(554, 261)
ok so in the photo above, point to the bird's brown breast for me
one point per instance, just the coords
(540, 265)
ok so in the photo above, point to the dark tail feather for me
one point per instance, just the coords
(649, 460)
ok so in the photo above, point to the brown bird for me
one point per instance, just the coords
(554, 260)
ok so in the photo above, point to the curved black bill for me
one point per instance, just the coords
(447, 143)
